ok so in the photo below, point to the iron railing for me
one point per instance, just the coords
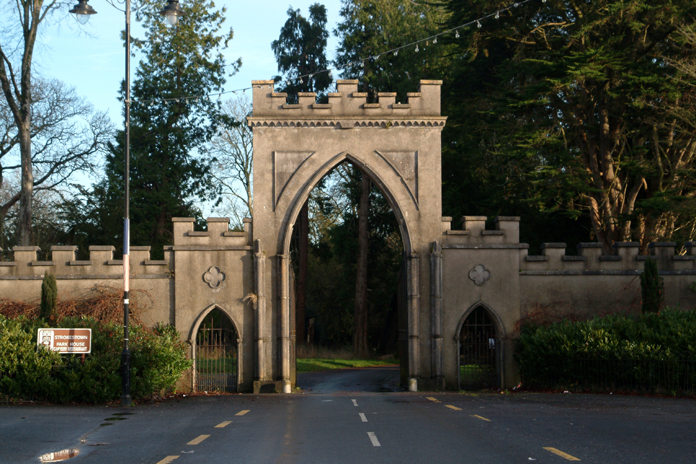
(478, 364)
(675, 375)
(216, 359)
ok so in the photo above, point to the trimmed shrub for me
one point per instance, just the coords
(29, 372)
(558, 352)
(651, 288)
(49, 296)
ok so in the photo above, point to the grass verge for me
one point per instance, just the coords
(317, 364)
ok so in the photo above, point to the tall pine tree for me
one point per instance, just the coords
(172, 120)
(301, 52)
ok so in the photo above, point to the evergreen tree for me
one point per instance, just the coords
(172, 120)
(371, 27)
(49, 296)
(301, 52)
(651, 288)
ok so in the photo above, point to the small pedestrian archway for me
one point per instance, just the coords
(216, 346)
(479, 349)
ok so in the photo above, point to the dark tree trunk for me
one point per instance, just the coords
(302, 263)
(360, 320)
(24, 230)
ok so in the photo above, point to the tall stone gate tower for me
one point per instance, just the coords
(398, 146)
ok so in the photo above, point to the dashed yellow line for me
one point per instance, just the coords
(222, 425)
(561, 454)
(196, 441)
(480, 417)
(168, 459)
(241, 413)
(453, 407)
(434, 400)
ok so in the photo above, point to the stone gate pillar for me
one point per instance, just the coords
(284, 319)
(436, 314)
(413, 306)
(260, 291)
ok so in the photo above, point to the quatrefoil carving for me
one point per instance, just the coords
(479, 274)
(214, 277)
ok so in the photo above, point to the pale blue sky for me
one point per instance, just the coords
(91, 57)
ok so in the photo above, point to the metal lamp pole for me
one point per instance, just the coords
(171, 12)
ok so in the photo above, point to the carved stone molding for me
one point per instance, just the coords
(347, 124)
(214, 277)
(479, 274)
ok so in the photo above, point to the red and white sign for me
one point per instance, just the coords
(66, 341)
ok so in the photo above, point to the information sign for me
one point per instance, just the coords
(66, 341)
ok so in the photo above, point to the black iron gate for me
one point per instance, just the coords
(478, 349)
(216, 354)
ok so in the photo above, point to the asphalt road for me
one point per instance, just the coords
(355, 416)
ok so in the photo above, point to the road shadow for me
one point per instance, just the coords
(370, 379)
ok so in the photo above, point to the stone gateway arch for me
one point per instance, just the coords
(397, 145)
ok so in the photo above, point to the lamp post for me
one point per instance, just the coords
(171, 12)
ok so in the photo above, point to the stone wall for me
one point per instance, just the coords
(152, 284)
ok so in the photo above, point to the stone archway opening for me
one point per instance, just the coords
(479, 351)
(329, 323)
(216, 354)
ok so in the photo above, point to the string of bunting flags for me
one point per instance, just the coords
(360, 62)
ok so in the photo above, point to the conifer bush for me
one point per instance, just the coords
(49, 296)
(651, 288)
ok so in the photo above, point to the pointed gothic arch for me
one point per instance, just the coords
(479, 343)
(301, 195)
(219, 342)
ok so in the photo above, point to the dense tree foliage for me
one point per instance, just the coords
(371, 27)
(580, 103)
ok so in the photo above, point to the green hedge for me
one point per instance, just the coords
(28, 372)
(615, 349)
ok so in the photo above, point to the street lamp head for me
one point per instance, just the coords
(82, 11)
(172, 12)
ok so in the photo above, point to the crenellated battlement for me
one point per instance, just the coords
(589, 258)
(506, 233)
(626, 259)
(103, 264)
(346, 107)
(218, 235)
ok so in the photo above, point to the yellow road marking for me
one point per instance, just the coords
(241, 413)
(481, 417)
(434, 400)
(222, 425)
(453, 407)
(561, 454)
(196, 441)
(168, 459)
